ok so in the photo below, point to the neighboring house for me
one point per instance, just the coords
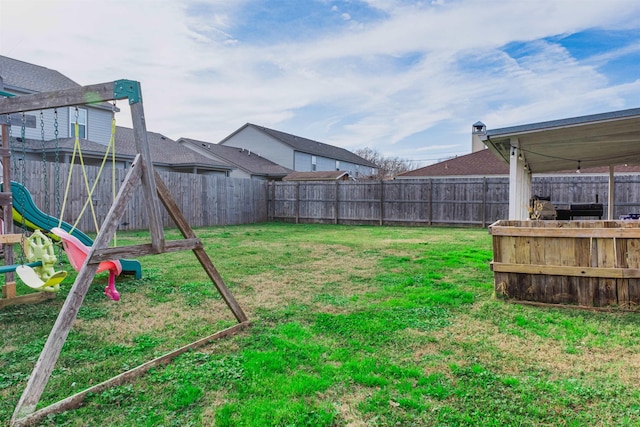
(318, 176)
(166, 154)
(298, 153)
(246, 164)
(22, 78)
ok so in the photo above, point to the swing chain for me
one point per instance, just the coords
(56, 177)
(23, 175)
(42, 126)
(45, 176)
(11, 142)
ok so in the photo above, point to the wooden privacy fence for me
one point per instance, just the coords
(205, 200)
(419, 202)
(449, 201)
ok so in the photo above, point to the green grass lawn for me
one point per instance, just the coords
(351, 326)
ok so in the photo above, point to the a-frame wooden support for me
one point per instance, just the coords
(154, 190)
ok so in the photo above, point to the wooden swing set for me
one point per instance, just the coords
(141, 174)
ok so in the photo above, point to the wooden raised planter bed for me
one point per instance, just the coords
(583, 263)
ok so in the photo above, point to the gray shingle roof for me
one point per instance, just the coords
(251, 163)
(310, 146)
(32, 78)
(164, 151)
(317, 176)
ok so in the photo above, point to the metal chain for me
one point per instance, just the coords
(12, 144)
(45, 177)
(23, 174)
(56, 164)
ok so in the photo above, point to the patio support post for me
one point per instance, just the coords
(519, 183)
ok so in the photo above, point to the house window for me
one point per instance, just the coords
(337, 165)
(81, 114)
(314, 162)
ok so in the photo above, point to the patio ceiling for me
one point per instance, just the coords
(587, 141)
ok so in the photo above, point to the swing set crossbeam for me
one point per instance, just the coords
(92, 94)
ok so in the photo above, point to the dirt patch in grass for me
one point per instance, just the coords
(326, 272)
(347, 406)
(214, 400)
(135, 315)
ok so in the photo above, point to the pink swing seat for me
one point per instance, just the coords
(77, 253)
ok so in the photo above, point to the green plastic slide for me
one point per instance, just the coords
(25, 212)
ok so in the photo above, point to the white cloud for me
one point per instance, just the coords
(201, 81)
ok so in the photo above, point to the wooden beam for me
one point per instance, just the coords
(76, 400)
(565, 270)
(186, 230)
(620, 233)
(6, 198)
(148, 180)
(17, 120)
(25, 299)
(11, 239)
(136, 251)
(60, 98)
(8, 290)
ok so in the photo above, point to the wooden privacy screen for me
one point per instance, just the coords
(584, 263)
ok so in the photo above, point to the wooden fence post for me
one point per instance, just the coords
(381, 202)
(297, 202)
(484, 202)
(269, 200)
(336, 203)
(430, 197)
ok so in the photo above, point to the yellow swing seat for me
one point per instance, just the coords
(32, 280)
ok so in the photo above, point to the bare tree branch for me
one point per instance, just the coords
(388, 167)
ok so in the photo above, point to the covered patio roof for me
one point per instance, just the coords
(605, 139)
(595, 140)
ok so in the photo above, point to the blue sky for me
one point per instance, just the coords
(407, 78)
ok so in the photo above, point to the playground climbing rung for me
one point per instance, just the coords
(8, 268)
